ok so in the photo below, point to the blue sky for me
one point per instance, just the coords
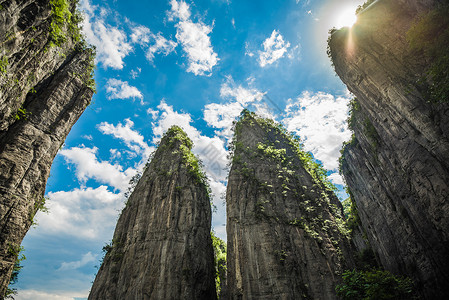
(196, 64)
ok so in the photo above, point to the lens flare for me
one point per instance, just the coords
(346, 18)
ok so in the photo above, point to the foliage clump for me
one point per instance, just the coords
(175, 135)
(17, 252)
(3, 65)
(351, 213)
(373, 285)
(429, 36)
(64, 18)
(220, 261)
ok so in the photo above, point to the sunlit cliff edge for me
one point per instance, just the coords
(397, 164)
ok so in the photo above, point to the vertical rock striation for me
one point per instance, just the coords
(397, 165)
(45, 85)
(162, 246)
(286, 235)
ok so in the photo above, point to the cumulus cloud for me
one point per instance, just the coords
(40, 295)
(194, 39)
(118, 89)
(141, 35)
(73, 265)
(221, 115)
(320, 120)
(274, 48)
(86, 214)
(161, 45)
(153, 43)
(89, 167)
(133, 139)
(336, 178)
(111, 42)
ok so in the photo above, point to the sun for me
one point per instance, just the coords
(346, 18)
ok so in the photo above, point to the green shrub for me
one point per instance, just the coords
(3, 65)
(373, 285)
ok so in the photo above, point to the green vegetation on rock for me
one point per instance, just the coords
(220, 261)
(314, 168)
(429, 36)
(17, 252)
(64, 20)
(3, 65)
(373, 285)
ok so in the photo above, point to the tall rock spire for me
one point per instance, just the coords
(162, 246)
(286, 234)
(45, 85)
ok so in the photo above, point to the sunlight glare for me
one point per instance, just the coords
(346, 18)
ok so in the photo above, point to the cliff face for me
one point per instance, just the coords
(286, 235)
(397, 166)
(162, 246)
(45, 85)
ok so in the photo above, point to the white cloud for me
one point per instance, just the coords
(135, 73)
(87, 214)
(242, 95)
(115, 154)
(133, 139)
(144, 37)
(89, 167)
(320, 120)
(141, 35)
(161, 45)
(41, 295)
(194, 38)
(179, 10)
(247, 51)
(118, 89)
(274, 48)
(73, 265)
(221, 115)
(154, 113)
(336, 178)
(110, 42)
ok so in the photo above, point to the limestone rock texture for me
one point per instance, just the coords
(285, 231)
(45, 85)
(397, 165)
(162, 246)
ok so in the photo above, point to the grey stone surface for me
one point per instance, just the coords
(286, 237)
(50, 84)
(397, 168)
(162, 247)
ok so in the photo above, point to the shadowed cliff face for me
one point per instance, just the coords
(43, 91)
(162, 247)
(397, 166)
(286, 236)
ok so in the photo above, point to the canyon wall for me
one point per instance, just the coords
(162, 246)
(45, 85)
(286, 235)
(397, 164)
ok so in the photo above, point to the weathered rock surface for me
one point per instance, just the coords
(397, 166)
(286, 235)
(162, 246)
(43, 91)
